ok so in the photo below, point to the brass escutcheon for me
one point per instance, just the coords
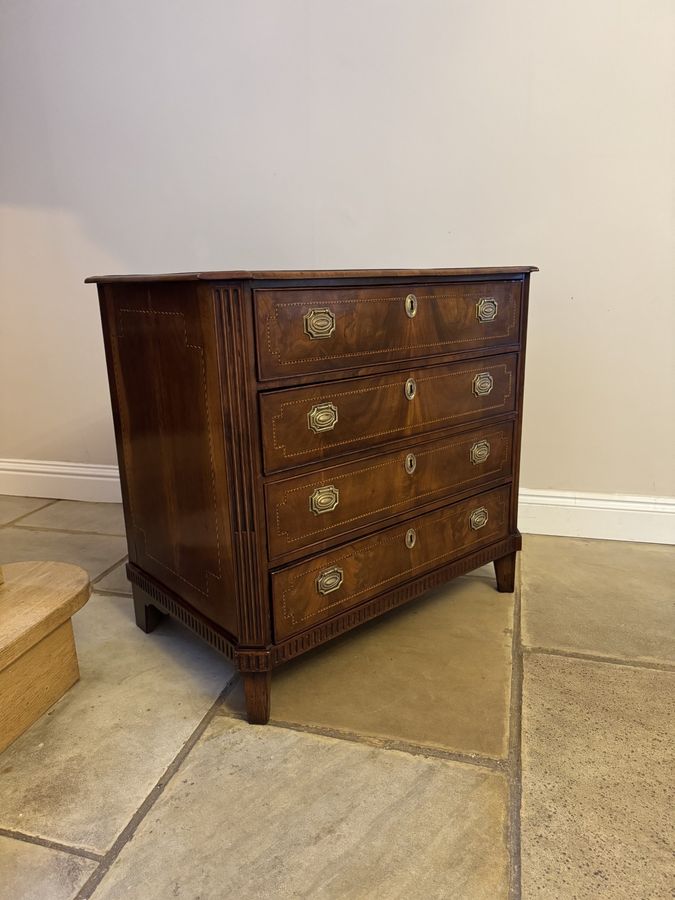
(486, 309)
(324, 499)
(411, 306)
(482, 384)
(479, 452)
(319, 324)
(322, 417)
(410, 463)
(329, 580)
(410, 538)
(478, 518)
(410, 388)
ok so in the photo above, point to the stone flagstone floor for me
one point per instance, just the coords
(530, 754)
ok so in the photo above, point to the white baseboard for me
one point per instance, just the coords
(616, 517)
(60, 480)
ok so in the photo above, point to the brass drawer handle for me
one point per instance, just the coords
(324, 499)
(483, 384)
(411, 306)
(410, 538)
(486, 309)
(410, 463)
(319, 324)
(410, 388)
(479, 452)
(478, 518)
(322, 417)
(329, 580)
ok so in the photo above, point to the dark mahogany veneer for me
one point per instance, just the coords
(303, 451)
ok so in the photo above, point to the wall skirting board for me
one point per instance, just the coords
(617, 517)
(62, 480)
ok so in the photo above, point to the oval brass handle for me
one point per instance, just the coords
(322, 417)
(410, 388)
(411, 306)
(486, 309)
(479, 452)
(410, 463)
(324, 499)
(410, 538)
(482, 384)
(478, 518)
(329, 580)
(319, 324)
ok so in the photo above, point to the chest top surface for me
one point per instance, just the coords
(316, 274)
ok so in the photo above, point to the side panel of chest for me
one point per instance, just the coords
(162, 351)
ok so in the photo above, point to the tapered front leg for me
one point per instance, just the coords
(505, 570)
(257, 692)
(148, 616)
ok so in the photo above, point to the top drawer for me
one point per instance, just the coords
(313, 330)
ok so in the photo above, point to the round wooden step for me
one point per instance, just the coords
(35, 599)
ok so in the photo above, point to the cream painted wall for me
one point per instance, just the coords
(147, 135)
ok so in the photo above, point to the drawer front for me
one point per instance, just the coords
(311, 592)
(305, 331)
(304, 424)
(326, 504)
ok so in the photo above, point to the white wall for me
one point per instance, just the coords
(146, 135)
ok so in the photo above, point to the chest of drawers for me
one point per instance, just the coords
(302, 451)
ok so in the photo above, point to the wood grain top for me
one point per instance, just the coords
(293, 274)
(35, 598)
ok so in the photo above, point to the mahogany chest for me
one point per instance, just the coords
(302, 451)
